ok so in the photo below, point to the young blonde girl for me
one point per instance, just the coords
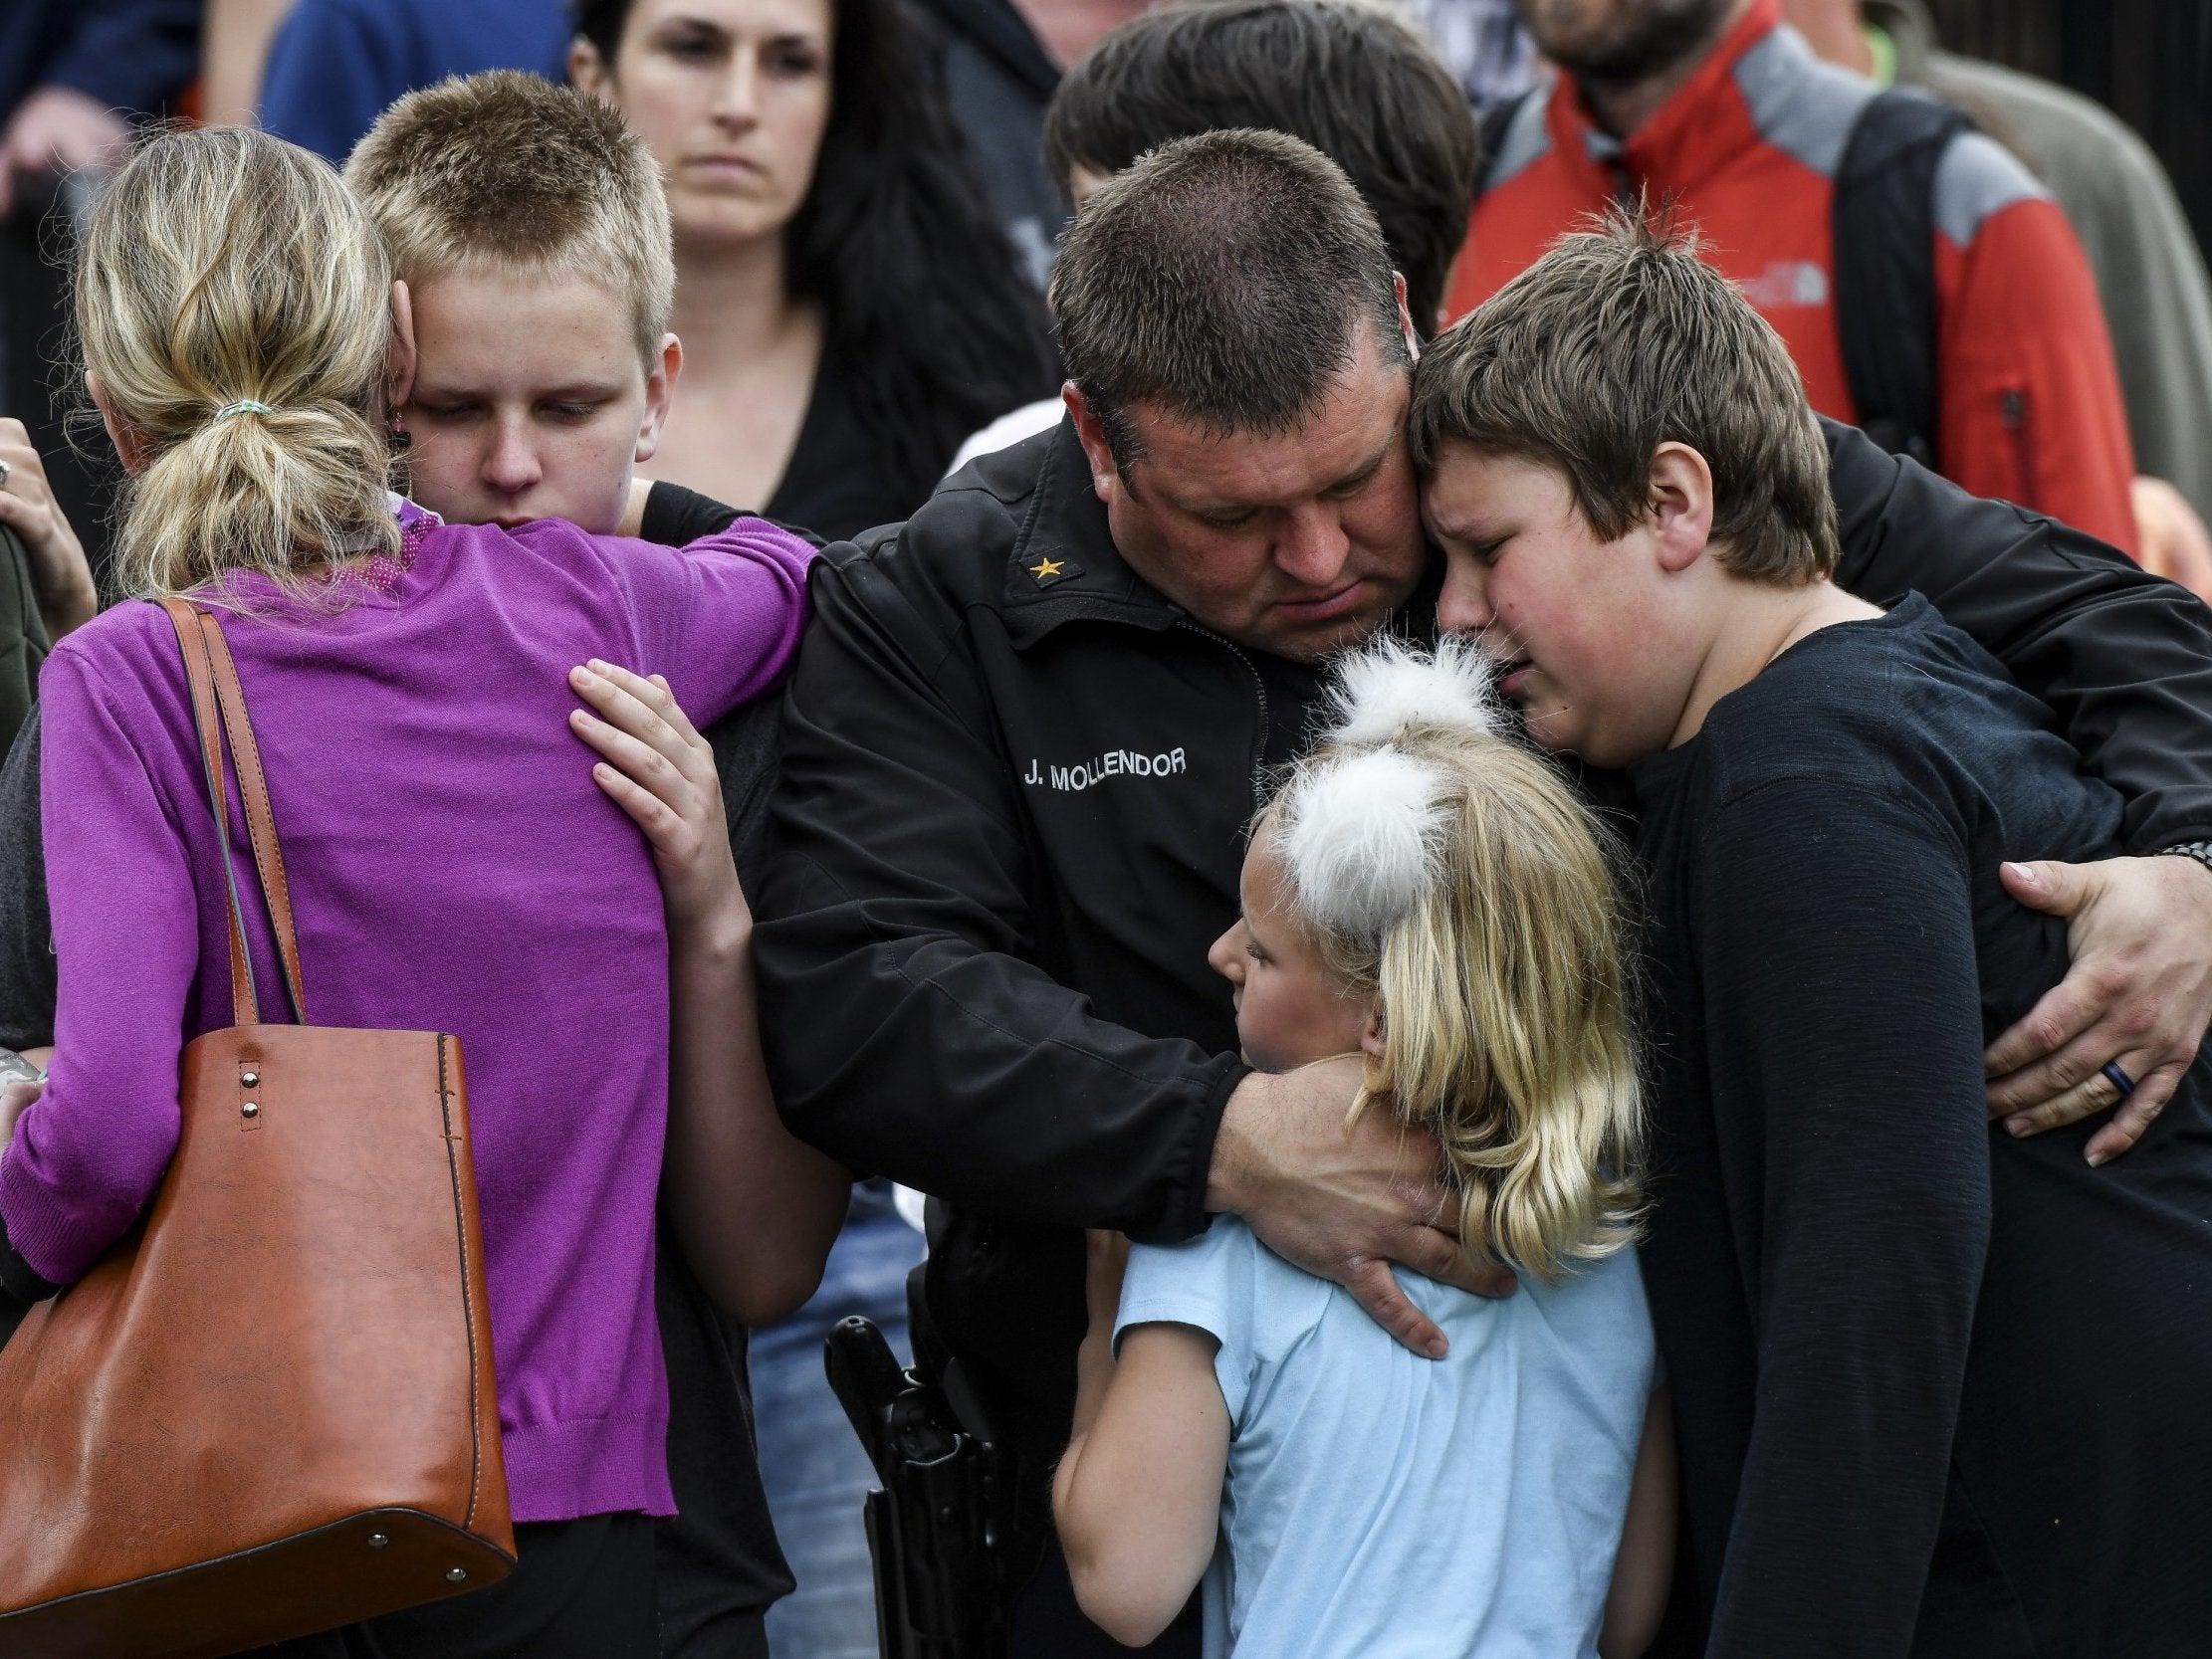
(1428, 893)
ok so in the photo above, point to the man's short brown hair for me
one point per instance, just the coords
(1621, 340)
(1355, 79)
(1223, 280)
(506, 172)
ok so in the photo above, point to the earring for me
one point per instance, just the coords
(401, 439)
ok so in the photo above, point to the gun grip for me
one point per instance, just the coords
(867, 1378)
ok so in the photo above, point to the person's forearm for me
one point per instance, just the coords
(1137, 1495)
(1858, 1392)
(27, 963)
(1075, 1500)
(2121, 657)
(1086, 1535)
(755, 1208)
(235, 46)
(67, 604)
(969, 1075)
(89, 1155)
(1094, 1375)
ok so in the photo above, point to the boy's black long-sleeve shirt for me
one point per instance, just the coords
(1938, 1391)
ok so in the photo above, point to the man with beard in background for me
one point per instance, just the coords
(1991, 313)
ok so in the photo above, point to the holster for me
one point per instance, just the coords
(938, 1525)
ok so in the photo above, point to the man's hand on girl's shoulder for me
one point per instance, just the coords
(1343, 1201)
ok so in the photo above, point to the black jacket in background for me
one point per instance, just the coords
(997, 80)
(23, 641)
(1008, 822)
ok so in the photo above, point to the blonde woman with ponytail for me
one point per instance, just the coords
(240, 370)
(455, 861)
(1428, 893)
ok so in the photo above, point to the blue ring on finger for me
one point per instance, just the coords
(2120, 1080)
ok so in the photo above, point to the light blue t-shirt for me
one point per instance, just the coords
(1390, 1507)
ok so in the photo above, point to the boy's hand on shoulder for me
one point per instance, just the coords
(2139, 994)
(657, 767)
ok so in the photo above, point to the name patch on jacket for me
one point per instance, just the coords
(1115, 762)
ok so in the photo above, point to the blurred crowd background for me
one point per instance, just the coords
(75, 73)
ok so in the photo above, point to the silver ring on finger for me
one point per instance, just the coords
(5, 470)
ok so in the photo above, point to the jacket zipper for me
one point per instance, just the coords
(2015, 411)
(1259, 689)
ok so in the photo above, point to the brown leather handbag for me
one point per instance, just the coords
(269, 1410)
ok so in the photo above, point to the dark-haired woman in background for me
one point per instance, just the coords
(849, 309)
(850, 312)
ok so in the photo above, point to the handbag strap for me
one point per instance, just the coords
(219, 709)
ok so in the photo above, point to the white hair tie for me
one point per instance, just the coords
(1359, 840)
(1361, 833)
(1386, 686)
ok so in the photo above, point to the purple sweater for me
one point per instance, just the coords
(453, 868)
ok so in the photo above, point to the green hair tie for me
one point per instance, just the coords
(244, 406)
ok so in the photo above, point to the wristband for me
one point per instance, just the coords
(2201, 851)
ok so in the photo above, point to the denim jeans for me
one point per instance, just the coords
(810, 1460)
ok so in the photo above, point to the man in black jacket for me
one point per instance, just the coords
(1027, 727)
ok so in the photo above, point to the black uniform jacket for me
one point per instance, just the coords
(1009, 821)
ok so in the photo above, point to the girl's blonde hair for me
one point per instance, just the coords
(227, 268)
(1443, 865)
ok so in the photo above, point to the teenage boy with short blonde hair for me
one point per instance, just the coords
(1881, 1315)
(530, 229)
